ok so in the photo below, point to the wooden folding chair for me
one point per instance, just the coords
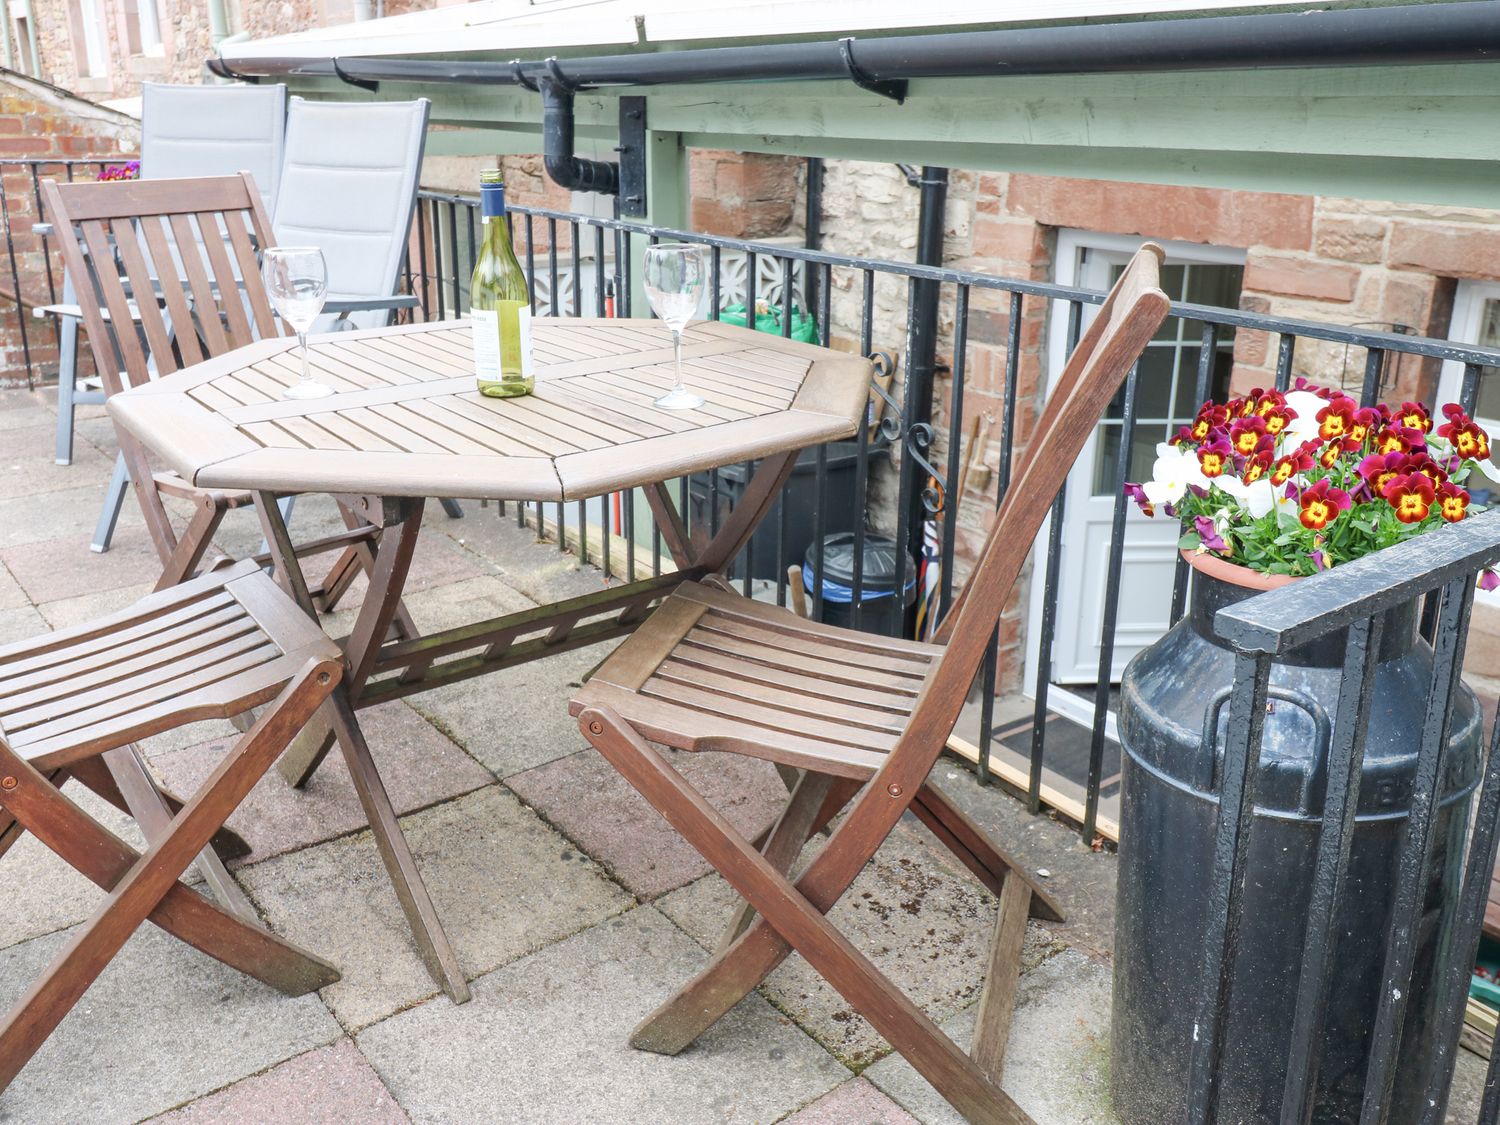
(73, 703)
(155, 297)
(713, 671)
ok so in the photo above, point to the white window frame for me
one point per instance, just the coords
(95, 44)
(1463, 328)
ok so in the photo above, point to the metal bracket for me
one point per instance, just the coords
(632, 150)
(345, 76)
(894, 89)
(520, 76)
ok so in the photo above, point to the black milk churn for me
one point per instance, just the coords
(1173, 726)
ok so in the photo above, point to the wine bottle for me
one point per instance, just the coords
(499, 303)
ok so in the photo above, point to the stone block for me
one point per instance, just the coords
(503, 882)
(855, 1101)
(54, 569)
(545, 1037)
(1449, 251)
(1357, 239)
(1301, 277)
(35, 516)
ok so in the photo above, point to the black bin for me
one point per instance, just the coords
(801, 497)
(879, 612)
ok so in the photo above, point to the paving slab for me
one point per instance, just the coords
(43, 893)
(17, 412)
(35, 516)
(162, 1025)
(1057, 1060)
(504, 884)
(28, 463)
(66, 612)
(517, 718)
(12, 595)
(544, 1040)
(420, 768)
(856, 1102)
(533, 566)
(924, 924)
(1081, 879)
(586, 798)
(21, 622)
(53, 569)
(333, 1085)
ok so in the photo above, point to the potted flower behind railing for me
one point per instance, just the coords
(1272, 488)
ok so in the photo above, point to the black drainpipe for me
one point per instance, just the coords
(922, 333)
(813, 237)
(562, 164)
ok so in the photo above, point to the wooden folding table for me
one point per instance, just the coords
(407, 424)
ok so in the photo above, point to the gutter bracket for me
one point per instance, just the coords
(345, 76)
(894, 89)
(217, 64)
(632, 150)
(519, 74)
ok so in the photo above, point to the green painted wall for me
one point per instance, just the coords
(1417, 134)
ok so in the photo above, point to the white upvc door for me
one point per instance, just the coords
(1476, 320)
(1165, 399)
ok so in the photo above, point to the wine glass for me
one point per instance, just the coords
(296, 280)
(674, 276)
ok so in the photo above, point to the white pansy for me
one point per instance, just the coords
(1487, 467)
(1175, 470)
(1304, 427)
(1258, 498)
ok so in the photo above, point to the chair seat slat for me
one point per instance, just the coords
(878, 719)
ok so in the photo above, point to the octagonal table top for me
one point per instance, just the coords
(407, 419)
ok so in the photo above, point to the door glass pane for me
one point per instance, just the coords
(1488, 404)
(1166, 392)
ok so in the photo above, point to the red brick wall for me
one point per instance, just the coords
(39, 121)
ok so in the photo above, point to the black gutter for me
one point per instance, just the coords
(1399, 35)
(562, 164)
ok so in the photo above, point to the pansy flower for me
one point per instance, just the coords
(1469, 440)
(1245, 434)
(1365, 420)
(1414, 416)
(1422, 463)
(1213, 456)
(1453, 502)
(1211, 417)
(1276, 421)
(1301, 384)
(1299, 460)
(1321, 503)
(1411, 494)
(1329, 455)
(1257, 464)
(1138, 494)
(1208, 535)
(1393, 439)
(1378, 469)
(1337, 418)
(1269, 402)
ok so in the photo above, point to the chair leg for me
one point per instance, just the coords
(195, 540)
(432, 942)
(142, 888)
(92, 772)
(997, 1001)
(67, 387)
(453, 508)
(151, 813)
(114, 500)
(936, 1057)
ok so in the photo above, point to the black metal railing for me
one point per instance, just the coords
(906, 461)
(1353, 598)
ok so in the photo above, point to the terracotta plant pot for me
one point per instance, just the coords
(1214, 566)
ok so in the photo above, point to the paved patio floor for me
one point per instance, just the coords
(573, 908)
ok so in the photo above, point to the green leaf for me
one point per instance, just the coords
(1190, 542)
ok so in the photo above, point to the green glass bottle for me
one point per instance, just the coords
(499, 303)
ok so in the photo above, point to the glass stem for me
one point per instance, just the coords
(306, 370)
(677, 358)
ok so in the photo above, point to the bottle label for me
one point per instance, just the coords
(502, 341)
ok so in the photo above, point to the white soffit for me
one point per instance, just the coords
(531, 27)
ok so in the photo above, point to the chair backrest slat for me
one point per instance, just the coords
(1131, 313)
(145, 250)
(184, 232)
(172, 286)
